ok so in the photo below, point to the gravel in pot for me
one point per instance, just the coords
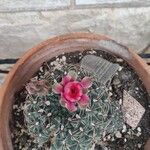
(66, 107)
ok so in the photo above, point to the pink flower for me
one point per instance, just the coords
(73, 93)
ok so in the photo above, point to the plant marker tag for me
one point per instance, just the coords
(132, 110)
(99, 67)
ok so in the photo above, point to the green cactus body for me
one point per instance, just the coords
(79, 130)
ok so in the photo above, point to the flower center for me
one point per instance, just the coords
(73, 91)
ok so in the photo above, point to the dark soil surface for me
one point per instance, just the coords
(125, 79)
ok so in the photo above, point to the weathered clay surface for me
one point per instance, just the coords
(25, 5)
(21, 31)
(112, 2)
(5, 67)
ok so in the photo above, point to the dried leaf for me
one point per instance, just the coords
(37, 87)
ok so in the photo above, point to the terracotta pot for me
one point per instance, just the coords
(24, 69)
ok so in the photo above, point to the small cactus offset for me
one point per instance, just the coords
(71, 109)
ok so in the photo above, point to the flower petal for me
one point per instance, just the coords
(84, 101)
(70, 106)
(66, 79)
(58, 88)
(86, 82)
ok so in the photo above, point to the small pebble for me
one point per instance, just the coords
(81, 129)
(49, 114)
(41, 110)
(110, 94)
(55, 81)
(112, 139)
(139, 145)
(136, 92)
(137, 88)
(104, 139)
(95, 100)
(104, 133)
(15, 106)
(47, 103)
(37, 123)
(63, 142)
(69, 119)
(63, 58)
(118, 135)
(55, 63)
(120, 101)
(105, 148)
(62, 127)
(108, 137)
(139, 129)
(88, 110)
(77, 116)
(138, 134)
(48, 126)
(65, 72)
(52, 63)
(92, 52)
(116, 81)
(110, 88)
(119, 60)
(124, 129)
(22, 130)
(120, 68)
(129, 132)
(34, 102)
(41, 69)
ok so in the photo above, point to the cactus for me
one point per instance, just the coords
(47, 120)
